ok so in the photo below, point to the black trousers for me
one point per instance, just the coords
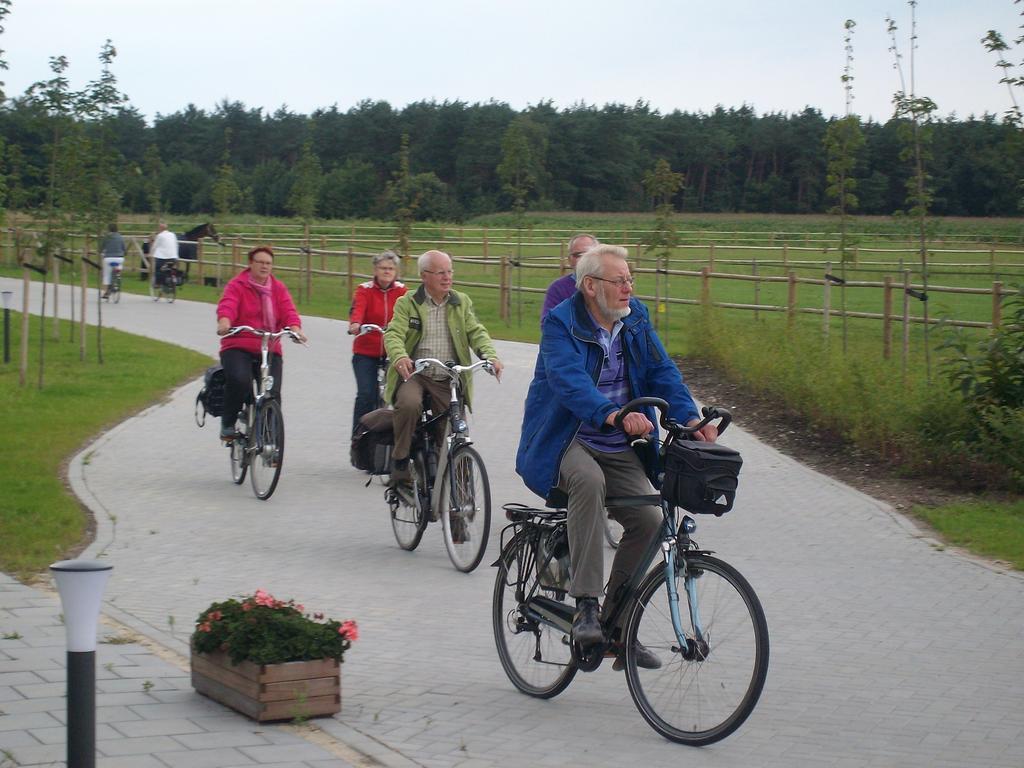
(240, 368)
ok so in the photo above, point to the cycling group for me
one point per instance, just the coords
(690, 634)
(164, 257)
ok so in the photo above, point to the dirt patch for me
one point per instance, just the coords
(790, 433)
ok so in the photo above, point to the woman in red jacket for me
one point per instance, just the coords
(258, 299)
(374, 303)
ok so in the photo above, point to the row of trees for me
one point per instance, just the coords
(450, 160)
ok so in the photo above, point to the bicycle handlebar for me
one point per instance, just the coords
(261, 333)
(366, 328)
(709, 413)
(452, 369)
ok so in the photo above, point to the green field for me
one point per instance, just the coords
(39, 518)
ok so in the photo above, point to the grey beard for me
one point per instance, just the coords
(608, 312)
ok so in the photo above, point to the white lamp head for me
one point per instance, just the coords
(7, 296)
(81, 583)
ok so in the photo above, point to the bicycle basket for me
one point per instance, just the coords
(372, 441)
(701, 477)
(211, 396)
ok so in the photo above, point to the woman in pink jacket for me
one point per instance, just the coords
(256, 298)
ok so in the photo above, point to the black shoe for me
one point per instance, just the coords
(586, 624)
(645, 657)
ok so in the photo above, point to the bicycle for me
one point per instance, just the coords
(462, 498)
(113, 294)
(714, 653)
(382, 362)
(258, 445)
(165, 281)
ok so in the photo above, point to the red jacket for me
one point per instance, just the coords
(373, 304)
(241, 305)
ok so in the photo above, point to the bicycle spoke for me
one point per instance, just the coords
(467, 516)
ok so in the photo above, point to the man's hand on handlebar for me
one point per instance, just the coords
(497, 366)
(353, 329)
(634, 423)
(404, 367)
(708, 433)
(302, 338)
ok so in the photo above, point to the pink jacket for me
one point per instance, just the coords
(241, 305)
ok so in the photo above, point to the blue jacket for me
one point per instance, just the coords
(564, 392)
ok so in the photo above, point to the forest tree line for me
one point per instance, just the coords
(452, 160)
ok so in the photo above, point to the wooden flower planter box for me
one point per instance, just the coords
(269, 691)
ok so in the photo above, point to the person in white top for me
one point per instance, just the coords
(165, 249)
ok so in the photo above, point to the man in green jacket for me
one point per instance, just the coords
(433, 322)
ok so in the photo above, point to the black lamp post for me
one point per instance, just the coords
(7, 295)
(80, 583)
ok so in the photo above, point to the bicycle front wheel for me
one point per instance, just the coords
(535, 655)
(266, 449)
(703, 692)
(466, 515)
(408, 511)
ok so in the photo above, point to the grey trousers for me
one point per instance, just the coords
(409, 407)
(584, 475)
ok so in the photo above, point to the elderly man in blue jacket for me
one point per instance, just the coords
(598, 351)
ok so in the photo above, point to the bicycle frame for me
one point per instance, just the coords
(457, 430)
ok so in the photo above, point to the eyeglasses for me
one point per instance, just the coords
(621, 282)
(263, 263)
(442, 272)
(576, 255)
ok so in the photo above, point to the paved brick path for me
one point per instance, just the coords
(887, 650)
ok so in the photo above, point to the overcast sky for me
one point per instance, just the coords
(674, 54)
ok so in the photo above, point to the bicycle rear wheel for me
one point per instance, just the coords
(535, 655)
(703, 692)
(408, 511)
(466, 515)
(267, 449)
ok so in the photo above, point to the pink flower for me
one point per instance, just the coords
(205, 627)
(247, 606)
(263, 598)
(349, 630)
(215, 616)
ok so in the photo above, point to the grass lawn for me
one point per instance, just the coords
(40, 520)
(988, 529)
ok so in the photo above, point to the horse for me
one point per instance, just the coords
(187, 241)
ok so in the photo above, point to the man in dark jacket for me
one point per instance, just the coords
(598, 351)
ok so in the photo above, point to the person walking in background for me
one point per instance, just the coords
(255, 298)
(565, 286)
(374, 303)
(112, 251)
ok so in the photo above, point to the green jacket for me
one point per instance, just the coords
(406, 328)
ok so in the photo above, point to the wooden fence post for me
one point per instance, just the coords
(711, 257)
(705, 286)
(791, 300)
(887, 318)
(785, 255)
(826, 301)
(236, 253)
(485, 243)
(757, 290)
(351, 269)
(992, 259)
(199, 261)
(997, 304)
(503, 290)
(563, 262)
(323, 253)
(309, 262)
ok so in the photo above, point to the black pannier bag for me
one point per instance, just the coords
(372, 441)
(701, 477)
(210, 399)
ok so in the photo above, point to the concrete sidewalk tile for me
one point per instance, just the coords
(140, 745)
(207, 758)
